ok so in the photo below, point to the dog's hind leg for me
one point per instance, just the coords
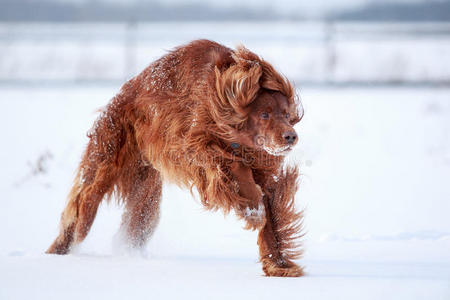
(65, 238)
(141, 214)
(111, 139)
(90, 187)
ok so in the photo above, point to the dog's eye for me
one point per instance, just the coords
(287, 116)
(264, 115)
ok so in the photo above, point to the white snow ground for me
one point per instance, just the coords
(375, 164)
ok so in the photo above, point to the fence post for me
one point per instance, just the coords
(330, 51)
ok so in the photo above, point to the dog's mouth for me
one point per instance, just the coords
(278, 151)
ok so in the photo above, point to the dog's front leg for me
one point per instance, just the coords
(278, 240)
(253, 211)
(274, 262)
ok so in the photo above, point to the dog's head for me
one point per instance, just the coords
(270, 123)
(257, 104)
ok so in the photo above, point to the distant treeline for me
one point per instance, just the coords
(97, 11)
(425, 11)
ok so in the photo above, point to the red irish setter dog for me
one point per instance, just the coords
(203, 116)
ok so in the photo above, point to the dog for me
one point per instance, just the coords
(206, 117)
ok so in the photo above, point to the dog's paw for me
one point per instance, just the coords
(255, 217)
(285, 272)
(274, 270)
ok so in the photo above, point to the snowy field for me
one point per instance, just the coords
(375, 186)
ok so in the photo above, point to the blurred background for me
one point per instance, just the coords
(374, 151)
(361, 42)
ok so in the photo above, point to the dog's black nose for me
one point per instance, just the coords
(290, 137)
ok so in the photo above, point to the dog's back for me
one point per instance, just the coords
(160, 102)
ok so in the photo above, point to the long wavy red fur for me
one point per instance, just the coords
(176, 121)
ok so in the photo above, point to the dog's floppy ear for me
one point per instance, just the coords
(239, 84)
